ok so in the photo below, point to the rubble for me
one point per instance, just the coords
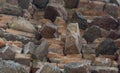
(59, 36)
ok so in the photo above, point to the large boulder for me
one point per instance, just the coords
(72, 44)
(53, 10)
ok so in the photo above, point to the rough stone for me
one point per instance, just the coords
(22, 25)
(48, 68)
(112, 10)
(72, 44)
(117, 43)
(77, 68)
(40, 3)
(82, 21)
(7, 53)
(41, 51)
(53, 10)
(48, 30)
(23, 59)
(2, 43)
(9, 9)
(113, 35)
(71, 3)
(24, 4)
(29, 48)
(11, 67)
(106, 22)
(92, 33)
(61, 2)
(107, 47)
(103, 69)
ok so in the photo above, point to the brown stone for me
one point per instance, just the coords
(2, 42)
(112, 10)
(106, 22)
(23, 59)
(93, 8)
(117, 42)
(71, 3)
(77, 67)
(48, 30)
(12, 31)
(10, 9)
(62, 25)
(49, 68)
(7, 53)
(53, 10)
(22, 24)
(17, 43)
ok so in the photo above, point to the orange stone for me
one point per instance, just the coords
(12, 31)
(2, 42)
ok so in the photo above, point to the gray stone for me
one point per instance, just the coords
(24, 4)
(7, 53)
(103, 69)
(22, 24)
(11, 67)
(29, 48)
(40, 3)
(41, 51)
(12, 37)
(48, 68)
(72, 44)
(76, 68)
(71, 3)
(10, 9)
(107, 47)
(92, 33)
(80, 19)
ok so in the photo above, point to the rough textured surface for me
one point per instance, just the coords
(73, 45)
(92, 33)
(107, 47)
(53, 10)
(11, 67)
